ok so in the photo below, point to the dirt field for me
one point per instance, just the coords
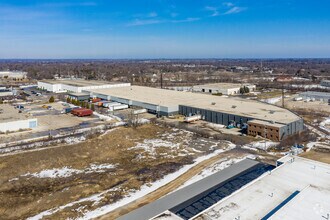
(111, 165)
(309, 106)
(317, 155)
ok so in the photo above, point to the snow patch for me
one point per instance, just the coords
(67, 171)
(272, 100)
(148, 188)
(260, 145)
(149, 145)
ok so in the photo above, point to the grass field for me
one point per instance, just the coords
(317, 155)
(91, 174)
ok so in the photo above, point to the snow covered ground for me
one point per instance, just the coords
(104, 117)
(149, 145)
(67, 171)
(133, 195)
(264, 145)
(325, 125)
(147, 188)
(271, 100)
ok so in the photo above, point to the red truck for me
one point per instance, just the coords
(82, 112)
(96, 100)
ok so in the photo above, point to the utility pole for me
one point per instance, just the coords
(282, 95)
(161, 80)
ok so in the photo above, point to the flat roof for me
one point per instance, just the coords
(9, 113)
(79, 82)
(266, 123)
(79, 94)
(171, 98)
(324, 94)
(298, 190)
(223, 85)
(175, 198)
(220, 85)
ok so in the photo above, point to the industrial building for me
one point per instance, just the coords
(297, 189)
(79, 96)
(325, 83)
(194, 198)
(11, 120)
(317, 96)
(77, 85)
(222, 88)
(215, 109)
(13, 75)
(6, 92)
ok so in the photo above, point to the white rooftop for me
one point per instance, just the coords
(263, 195)
(171, 98)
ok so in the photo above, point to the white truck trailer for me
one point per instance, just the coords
(192, 118)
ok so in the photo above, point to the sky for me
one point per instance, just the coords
(142, 29)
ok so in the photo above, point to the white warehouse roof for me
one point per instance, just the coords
(172, 99)
(271, 195)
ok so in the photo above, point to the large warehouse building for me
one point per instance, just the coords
(223, 88)
(77, 85)
(13, 75)
(298, 189)
(318, 96)
(265, 120)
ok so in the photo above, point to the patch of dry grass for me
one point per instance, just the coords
(25, 196)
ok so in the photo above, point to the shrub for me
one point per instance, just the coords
(51, 99)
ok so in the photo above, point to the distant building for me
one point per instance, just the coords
(318, 96)
(6, 92)
(223, 88)
(283, 79)
(13, 75)
(325, 83)
(80, 96)
(11, 120)
(77, 85)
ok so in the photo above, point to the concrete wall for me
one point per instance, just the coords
(17, 125)
(292, 128)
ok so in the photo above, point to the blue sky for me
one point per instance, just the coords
(164, 29)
